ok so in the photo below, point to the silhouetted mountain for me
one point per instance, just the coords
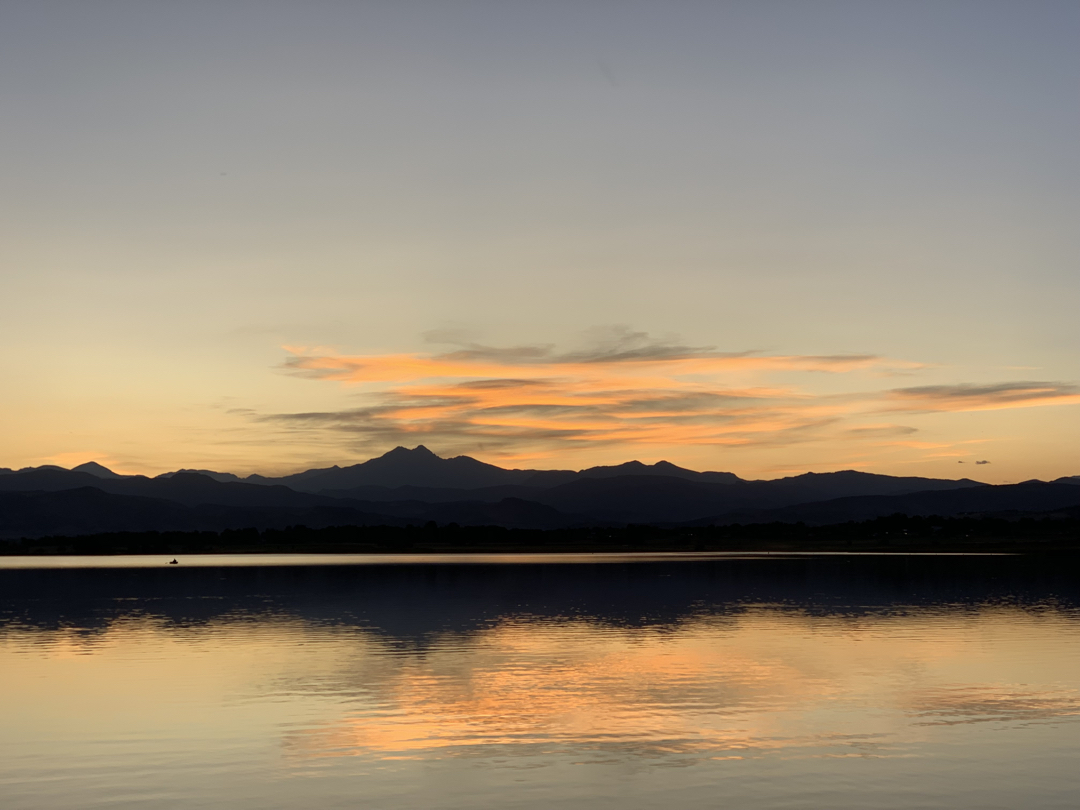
(459, 490)
(187, 488)
(224, 478)
(420, 467)
(847, 483)
(644, 498)
(194, 502)
(193, 489)
(47, 479)
(660, 468)
(664, 499)
(1069, 479)
(88, 510)
(288, 480)
(216, 505)
(9, 471)
(403, 467)
(95, 469)
(430, 477)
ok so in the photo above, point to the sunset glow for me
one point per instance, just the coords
(732, 236)
(642, 398)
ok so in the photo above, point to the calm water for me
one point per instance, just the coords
(611, 682)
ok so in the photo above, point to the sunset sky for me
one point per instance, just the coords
(764, 237)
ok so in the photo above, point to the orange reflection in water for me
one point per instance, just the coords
(765, 682)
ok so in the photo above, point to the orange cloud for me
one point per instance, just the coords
(629, 390)
(529, 363)
(995, 396)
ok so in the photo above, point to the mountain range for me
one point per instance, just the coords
(416, 486)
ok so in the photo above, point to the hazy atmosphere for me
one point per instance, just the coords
(552, 404)
(764, 237)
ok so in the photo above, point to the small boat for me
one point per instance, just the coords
(174, 562)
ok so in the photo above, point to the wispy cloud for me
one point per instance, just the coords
(624, 388)
(609, 352)
(965, 397)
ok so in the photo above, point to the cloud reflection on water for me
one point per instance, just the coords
(770, 682)
(965, 704)
(521, 666)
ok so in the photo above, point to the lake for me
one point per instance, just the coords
(581, 681)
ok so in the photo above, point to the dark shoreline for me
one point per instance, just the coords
(895, 534)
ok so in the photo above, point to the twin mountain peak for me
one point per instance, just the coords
(419, 467)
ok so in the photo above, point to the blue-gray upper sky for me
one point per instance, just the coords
(190, 188)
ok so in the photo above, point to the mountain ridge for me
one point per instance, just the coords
(418, 487)
(420, 467)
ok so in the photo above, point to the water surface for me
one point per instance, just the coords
(599, 682)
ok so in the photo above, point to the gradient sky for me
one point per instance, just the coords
(765, 237)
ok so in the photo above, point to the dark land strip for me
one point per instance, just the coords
(893, 534)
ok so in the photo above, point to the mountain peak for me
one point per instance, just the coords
(98, 470)
(418, 466)
(217, 476)
(404, 452)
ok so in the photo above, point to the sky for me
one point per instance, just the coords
(762, 237)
